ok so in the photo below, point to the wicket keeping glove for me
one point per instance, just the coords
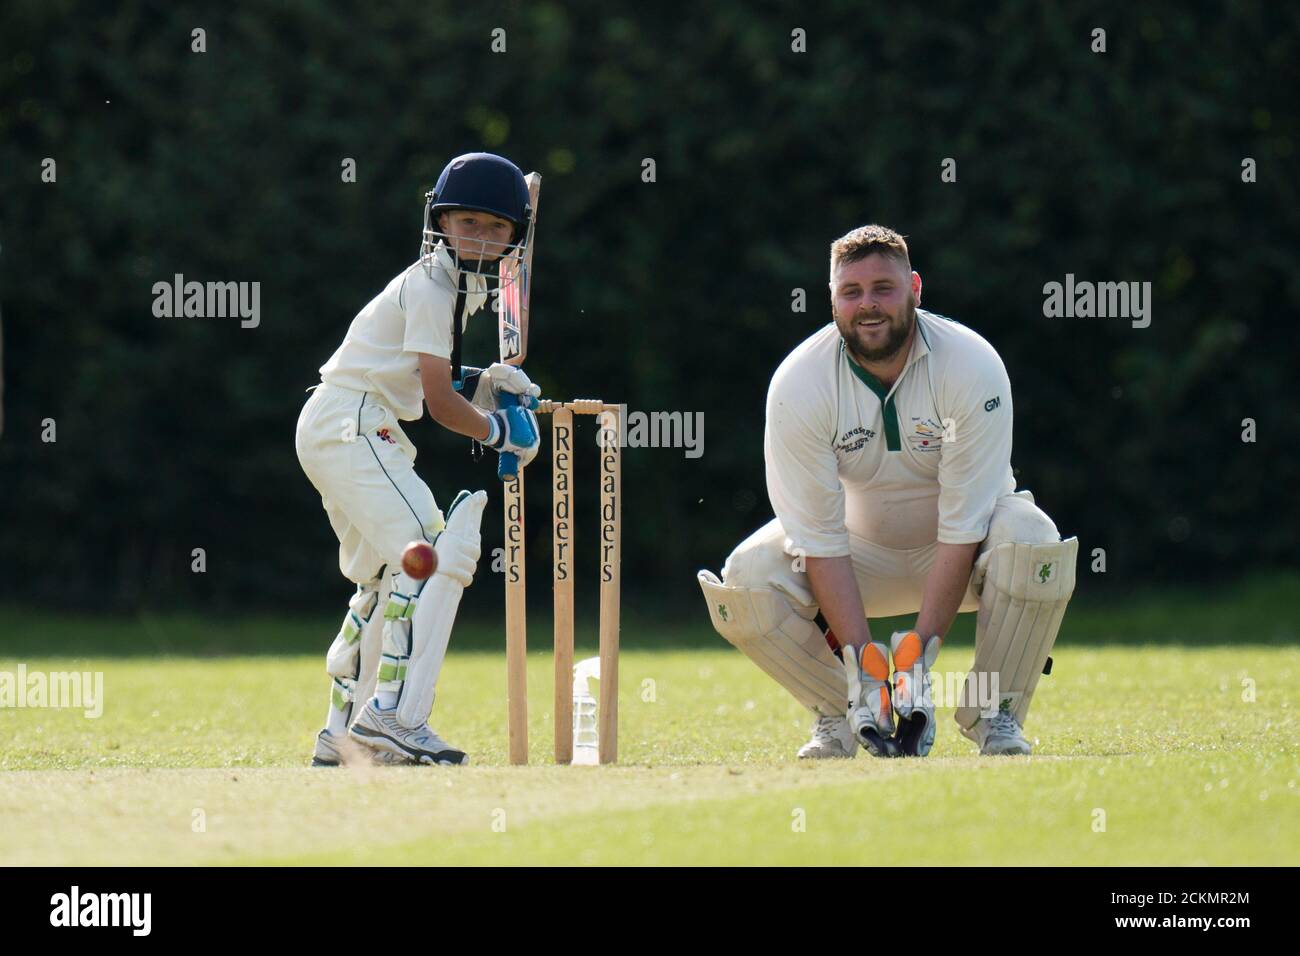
(913, 698)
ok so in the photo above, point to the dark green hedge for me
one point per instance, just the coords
(174, 434)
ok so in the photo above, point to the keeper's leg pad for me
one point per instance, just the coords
(792, 650)
(418, 626)
(1021, 607)
(343, 661)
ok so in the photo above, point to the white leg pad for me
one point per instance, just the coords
(372, 642)
(762, 625)
(1021, 606)
(428, 627)
(345, 659)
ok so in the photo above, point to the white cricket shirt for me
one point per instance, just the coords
(922, 461)
(411, 316)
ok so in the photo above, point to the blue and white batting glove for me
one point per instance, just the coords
(514, 430)
(482, 386)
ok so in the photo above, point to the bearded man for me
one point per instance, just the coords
(888, 457)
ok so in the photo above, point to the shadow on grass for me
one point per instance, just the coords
(1255, 611)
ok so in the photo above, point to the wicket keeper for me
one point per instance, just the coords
(888, 458)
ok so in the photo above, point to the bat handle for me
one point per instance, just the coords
(507, 461)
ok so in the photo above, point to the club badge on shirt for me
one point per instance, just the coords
(853, 440)
(926, 435)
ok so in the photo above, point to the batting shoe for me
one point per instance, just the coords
(999, 735)
(380, 730)
(327, 753)
(334, 751)
(832, 738)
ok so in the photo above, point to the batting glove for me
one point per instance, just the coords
(514, 430)
(482, 386)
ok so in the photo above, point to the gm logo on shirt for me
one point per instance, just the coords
(993, 403)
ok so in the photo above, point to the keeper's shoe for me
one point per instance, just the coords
(999, 735)
(332, 751)
(380, 731)
(832, 738)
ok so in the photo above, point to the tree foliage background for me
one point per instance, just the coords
(174, 434)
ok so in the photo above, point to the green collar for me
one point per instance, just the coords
(920, 327)
(890, 413)
(865, 377)
(920, 346)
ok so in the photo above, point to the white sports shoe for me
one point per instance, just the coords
(332, 751)
(831, 738)
(380, 730)
(327, 753)
(999, 735)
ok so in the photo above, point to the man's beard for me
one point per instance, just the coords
(899, 328)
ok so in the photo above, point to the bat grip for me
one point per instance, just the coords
(507, 461)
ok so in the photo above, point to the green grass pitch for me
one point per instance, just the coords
(1167, 734)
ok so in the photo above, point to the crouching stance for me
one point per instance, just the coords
(888, 457)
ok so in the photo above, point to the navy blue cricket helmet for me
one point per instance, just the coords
(484, 182)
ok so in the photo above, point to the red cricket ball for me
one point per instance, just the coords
(419, 560)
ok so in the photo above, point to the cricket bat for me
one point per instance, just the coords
(515, 283)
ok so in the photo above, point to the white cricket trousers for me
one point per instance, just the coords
(355, 453)
(892, 582)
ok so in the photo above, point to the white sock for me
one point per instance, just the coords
(387, 699)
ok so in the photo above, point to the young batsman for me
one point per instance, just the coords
(888, 456)
(401, 354)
